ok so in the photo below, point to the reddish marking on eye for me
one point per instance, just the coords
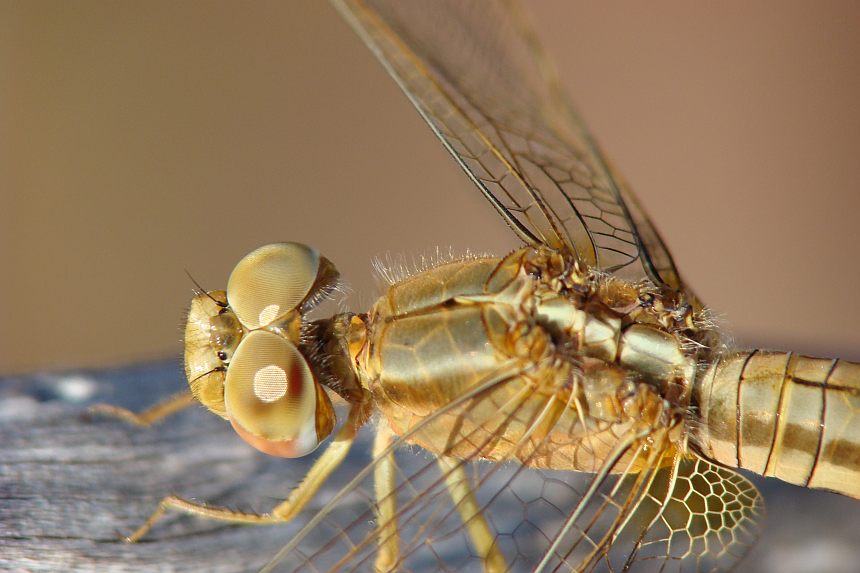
(295, 380)
(280, 449)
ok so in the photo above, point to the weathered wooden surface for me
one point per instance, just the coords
(71, 485)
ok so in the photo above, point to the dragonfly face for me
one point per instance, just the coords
(241, 350)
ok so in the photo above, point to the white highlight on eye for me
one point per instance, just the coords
(269, 314)
(270, 383)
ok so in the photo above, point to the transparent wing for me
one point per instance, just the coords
(697, 516)
(555, 520)
(625, 515)
(476, 73)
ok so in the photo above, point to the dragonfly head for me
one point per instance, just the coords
(242, 350)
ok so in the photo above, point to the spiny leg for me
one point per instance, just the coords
(151, 415)
(470, 512)
(384, 483)
(283, 512)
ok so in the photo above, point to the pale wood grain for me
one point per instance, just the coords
(71, 485)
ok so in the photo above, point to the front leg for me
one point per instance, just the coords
(167, 407)
(384, 484)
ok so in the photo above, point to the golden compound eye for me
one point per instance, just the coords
(272, 281)
(272, 398)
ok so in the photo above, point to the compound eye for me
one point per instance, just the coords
(271, 281)
(273, 400)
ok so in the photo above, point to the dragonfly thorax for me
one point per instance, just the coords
(451, 346)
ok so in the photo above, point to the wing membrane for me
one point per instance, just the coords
(554, 520)
(703, 517)
(475, 72)
(645, 506)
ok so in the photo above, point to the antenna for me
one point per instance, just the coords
(200, 290)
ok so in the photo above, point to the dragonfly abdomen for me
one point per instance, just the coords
(783, 415)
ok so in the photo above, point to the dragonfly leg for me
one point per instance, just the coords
(283, 512)
(470, 512)
(151, 415)
(202, 510)
(384, 483)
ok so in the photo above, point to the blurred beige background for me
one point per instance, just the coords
(141, 139)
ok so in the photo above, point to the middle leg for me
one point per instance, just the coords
(470, 512)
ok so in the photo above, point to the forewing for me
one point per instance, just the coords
(476, 73)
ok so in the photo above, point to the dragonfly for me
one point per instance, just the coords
(568, 406)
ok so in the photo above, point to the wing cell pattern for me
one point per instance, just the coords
(646, 508)
(477, 75)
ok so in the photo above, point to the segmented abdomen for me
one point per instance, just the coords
(783, 415)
